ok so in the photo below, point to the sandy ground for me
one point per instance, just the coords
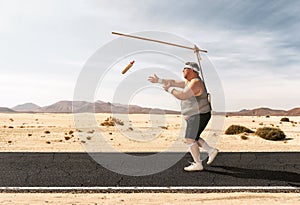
(150, 198)
(58, 133)
(140, 133)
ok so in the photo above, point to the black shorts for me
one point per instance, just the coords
(196, 124)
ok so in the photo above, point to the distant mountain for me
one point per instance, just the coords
(61, 107)
(265, 112)
(99, 107)
(6, 110)
(294, 112)
(107, 107)
(27, 107)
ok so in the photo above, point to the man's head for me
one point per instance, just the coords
(191, 70)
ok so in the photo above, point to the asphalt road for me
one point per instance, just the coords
(80, 170)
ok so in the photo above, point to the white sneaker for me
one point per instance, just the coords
(212, 156)
(195, 166)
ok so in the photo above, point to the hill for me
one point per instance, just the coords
(99, 107)
(265, 112)
(6, 110)
(107, 107)
(27, 107)
(294, 112)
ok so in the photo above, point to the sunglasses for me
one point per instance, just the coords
(186, 68)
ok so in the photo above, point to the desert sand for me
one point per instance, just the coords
(150, 198)
(58, 133)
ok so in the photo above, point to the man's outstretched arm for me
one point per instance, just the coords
(173, 83)
(195, 88)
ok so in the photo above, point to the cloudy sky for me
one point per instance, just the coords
(253, 45)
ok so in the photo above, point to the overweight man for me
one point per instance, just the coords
(195, 108)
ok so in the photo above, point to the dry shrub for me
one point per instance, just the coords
(163, 127)
(244, 137)
(237, 129)
(285, 119)
(112, 121)
(270, 133)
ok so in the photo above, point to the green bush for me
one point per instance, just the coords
(237, 129)
(270, 133)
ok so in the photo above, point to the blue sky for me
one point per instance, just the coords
(254, 46)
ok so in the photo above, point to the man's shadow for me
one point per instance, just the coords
(284, 176)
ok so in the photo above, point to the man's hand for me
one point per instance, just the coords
(153, 79)
(166, 86)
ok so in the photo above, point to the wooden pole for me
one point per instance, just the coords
(158, 41)
(199, 63)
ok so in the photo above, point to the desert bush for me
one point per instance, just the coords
(112, 121)
(67, 138)
(163, 127)
(285, 119)
(237, 129)
(244, 137)
(270, 133)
